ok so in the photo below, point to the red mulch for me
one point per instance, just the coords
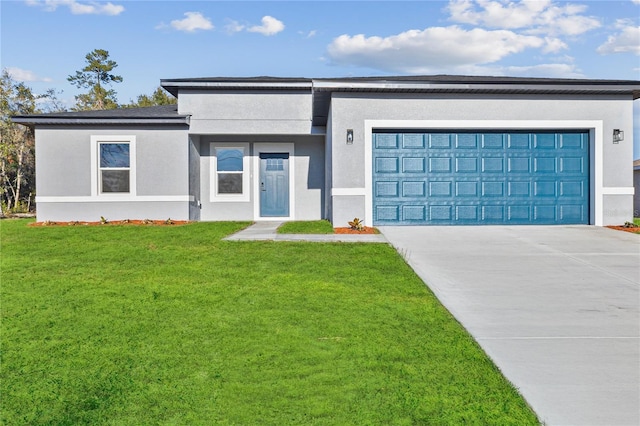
(366, 230)
(114, 222)
(635, 230)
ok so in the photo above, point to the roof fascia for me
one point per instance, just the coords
(26, 120)
(174, 86)
(481, 87)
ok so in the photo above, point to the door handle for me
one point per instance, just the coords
(262, 186)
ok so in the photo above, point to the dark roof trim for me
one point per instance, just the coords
(158, 115)
(253, 83)
(423, 84)
(33, 120)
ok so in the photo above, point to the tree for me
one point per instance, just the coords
(95, 76)
(17, 160)
(159, 97)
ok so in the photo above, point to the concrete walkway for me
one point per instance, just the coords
(267, 231)
(555, 307)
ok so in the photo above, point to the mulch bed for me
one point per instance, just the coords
(635, 230)
(168, 222)
(366, 230)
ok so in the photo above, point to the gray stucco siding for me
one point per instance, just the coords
(63, 159)
(112, 211)
(65, 178)
(309, 177)
(247, 112)
(309, 180)
(162, 162)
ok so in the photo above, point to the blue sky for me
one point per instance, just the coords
(44, 41)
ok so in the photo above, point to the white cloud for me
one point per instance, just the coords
(626, 41)
(192, 22)
(532, 16)
(19, 74)
(77, 8)
(233, 26)
(270, 26)
(418, 51)
(635, 1)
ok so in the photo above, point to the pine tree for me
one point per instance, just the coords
(95, 76)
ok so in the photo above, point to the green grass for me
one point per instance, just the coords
(636, 220)
(306, 227)
(133, 325)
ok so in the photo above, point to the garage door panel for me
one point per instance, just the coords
(544, 141)
(544, 165)
(439, 164)
(466, 164)
(492, 189)
(383, 141)
(577, 141)
(440, 212)
(413, 141)
(439, 141)
(413, 165)
(466, 141)
(572, 164)
(467, 212)
(518, 141)
(480, 178)
(492, 164)
(414, 213)
(386, 189)
(387, 213)
(492, 141)
(467, 189)
(519, 189)
(519, 213)
(440, 189)
(386, 165)
(518, 164)
(413, 189)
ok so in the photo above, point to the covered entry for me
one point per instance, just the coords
(480, 177)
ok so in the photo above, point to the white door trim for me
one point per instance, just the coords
(259, 148)
(596, 150)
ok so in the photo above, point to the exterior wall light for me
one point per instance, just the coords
(349, 136)
(618, 135)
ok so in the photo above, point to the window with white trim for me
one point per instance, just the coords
(229, 172)
(113, 170)
(115, 167)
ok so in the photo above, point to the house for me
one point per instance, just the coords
(636, 186)
(412, 150)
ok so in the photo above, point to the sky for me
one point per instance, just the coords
(45, 41)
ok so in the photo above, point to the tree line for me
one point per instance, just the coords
(17, 142)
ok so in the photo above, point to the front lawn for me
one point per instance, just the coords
(169, 325)
(306, 227)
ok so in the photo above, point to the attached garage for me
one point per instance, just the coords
(450, 177)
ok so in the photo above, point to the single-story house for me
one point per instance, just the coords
(411, 150)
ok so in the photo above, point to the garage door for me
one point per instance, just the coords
(478, 178)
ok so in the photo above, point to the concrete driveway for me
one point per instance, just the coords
(555, 307)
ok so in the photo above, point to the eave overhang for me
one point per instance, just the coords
(173, 86)
(58, 121)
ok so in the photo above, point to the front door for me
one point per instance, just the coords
(274, 184)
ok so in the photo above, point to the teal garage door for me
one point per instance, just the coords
(480, 178)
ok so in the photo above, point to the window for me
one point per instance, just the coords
(229, 172)
(113, 169)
